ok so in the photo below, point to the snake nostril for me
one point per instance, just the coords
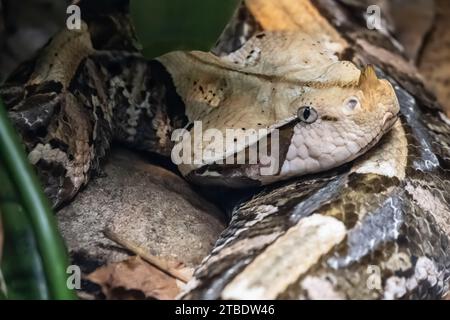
(352, 103)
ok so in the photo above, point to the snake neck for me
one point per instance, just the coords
(68, 124)
(137, 99)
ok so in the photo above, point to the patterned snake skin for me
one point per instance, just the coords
(376, 228)
(394, 229)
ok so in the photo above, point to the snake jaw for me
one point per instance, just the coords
(389, 120)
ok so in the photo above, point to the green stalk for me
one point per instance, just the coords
(21, 264)
(2, 286)
(35, 203)
(2, 294)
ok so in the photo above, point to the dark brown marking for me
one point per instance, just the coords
(329, 118)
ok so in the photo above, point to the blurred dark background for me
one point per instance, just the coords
(25, 26)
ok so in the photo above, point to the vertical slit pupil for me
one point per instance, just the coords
(306, 113)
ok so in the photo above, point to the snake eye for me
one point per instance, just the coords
(307, 114)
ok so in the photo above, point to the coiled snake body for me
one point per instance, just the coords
(377, 228)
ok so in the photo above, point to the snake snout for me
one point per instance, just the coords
(388, 120)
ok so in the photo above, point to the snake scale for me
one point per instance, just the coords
(376, 227)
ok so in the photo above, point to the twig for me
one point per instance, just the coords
(153, 260)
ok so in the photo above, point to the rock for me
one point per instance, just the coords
(145, 204)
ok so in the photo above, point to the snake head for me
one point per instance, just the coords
(339, 123)
(318, 112)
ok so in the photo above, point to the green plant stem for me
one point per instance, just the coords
(35, 203)
(21, 263)
(2, 286)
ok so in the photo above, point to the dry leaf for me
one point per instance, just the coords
(134, 279)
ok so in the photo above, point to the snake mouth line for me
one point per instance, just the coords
(389, 120)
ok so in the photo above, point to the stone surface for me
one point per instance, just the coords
(145, 204)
